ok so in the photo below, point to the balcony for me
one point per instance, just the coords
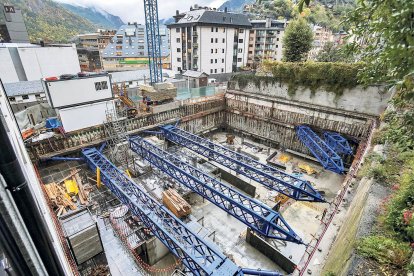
(195, 45)
(195, 34)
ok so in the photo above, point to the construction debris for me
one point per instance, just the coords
(306, 168)
(66, 192)
(175, 203)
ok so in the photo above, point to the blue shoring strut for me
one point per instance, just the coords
(200, 257)
(267, 176)
(256, 215)
(337, 143)
(329, 159)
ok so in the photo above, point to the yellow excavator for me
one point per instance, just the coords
(127, 103)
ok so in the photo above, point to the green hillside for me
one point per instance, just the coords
(49, 21)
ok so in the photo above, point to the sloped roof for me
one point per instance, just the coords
(23, 88)
(194, 74)
(211, 17)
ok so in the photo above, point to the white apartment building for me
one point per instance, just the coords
(265, 41)
(209, 41)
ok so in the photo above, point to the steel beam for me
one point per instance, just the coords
(267, 176)
(200, 257)
(256, 215)
(337, 143)
(329, 159)
(153, 40)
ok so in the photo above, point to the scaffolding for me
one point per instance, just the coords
(117, 141)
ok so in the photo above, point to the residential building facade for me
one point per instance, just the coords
(209, 41)
(321, 35)
(265, 41)
(90, 48)
(128, 49)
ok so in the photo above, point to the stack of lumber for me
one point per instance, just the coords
(175, 203)
(62, 193)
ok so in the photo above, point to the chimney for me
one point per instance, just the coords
(177, 12)
(225, 9)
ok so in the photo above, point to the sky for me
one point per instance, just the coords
(133, 10)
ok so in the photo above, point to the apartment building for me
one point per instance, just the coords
(128, 49)
(209, 41)
(90, 48)
(321, 35)
(265, 41)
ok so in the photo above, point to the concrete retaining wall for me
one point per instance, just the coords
(270, 252)
(371, 100)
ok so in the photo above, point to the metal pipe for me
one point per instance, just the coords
(152, 132)
(61, 158)
(26, 204)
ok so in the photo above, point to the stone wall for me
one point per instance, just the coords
(371, 100)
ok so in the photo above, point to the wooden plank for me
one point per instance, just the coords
(69, 176)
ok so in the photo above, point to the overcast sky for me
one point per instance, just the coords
(133, 10)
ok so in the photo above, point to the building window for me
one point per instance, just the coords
(25, 97)
(211, 60)
(211, 50)
(222, 50)
(240, 50)
(212, 40)
(212, 29)
(278, 32)
(224, 40)
(101, 85)
(241, 31)
(240, 40)
(239, 60)
(12, 99)
(179, 59)
(215, 61)
(178, 40)
(178, 50)
(277, 39)
(216, 51)
(179, 69)
(211, 71)
(216, 30)
(215, 70)
(222, 70)
(216, 40)
(277, 46)
(222, 60)
(177, 30)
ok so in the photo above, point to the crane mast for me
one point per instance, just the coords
(153, 40)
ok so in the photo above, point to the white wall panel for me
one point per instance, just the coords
(41, 62)
(7, 72)
(83, 116)
(77, 91)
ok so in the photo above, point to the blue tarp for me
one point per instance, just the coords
(52, 123)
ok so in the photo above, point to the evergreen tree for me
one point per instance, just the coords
(297, 40)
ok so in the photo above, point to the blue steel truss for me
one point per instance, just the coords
(153, 40)
(256, 215)
(337, 143)
(266, 175)
(200, 257)
(329, 159)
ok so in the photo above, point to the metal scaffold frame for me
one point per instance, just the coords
(267, 176)
(256, 215)
(329, 159)
(199, 257)
(338, 143)
(153, 40)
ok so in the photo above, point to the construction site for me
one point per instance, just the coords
(246, 181)
(251, 180)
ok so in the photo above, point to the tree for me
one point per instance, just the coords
(332, 53)
(297, 40)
